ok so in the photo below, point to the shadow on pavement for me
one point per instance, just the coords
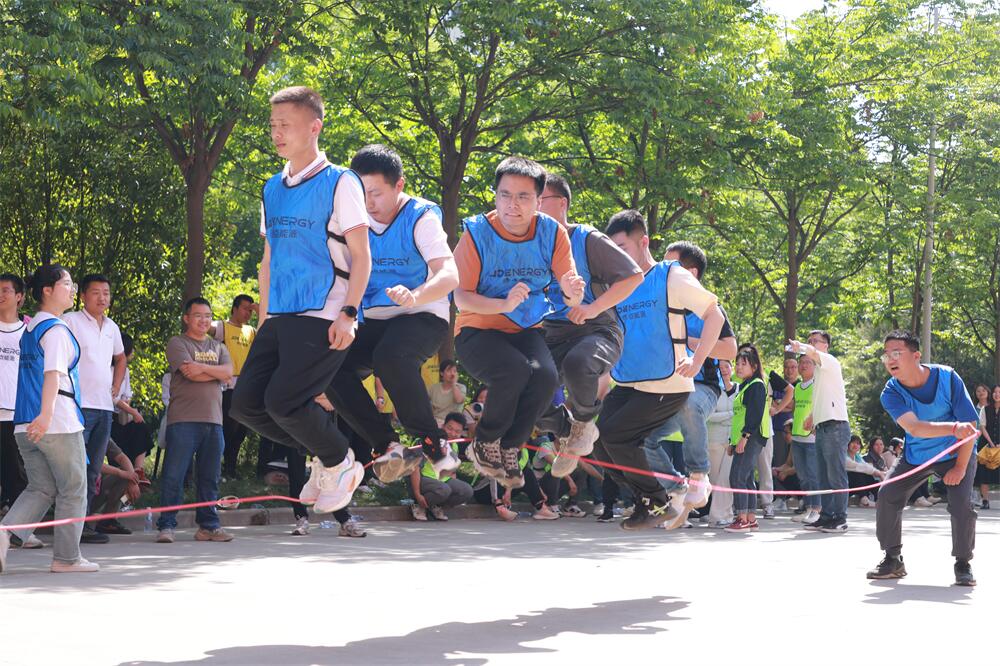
(895, 592)
(445, 644)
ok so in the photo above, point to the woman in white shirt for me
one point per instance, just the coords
(48, 424)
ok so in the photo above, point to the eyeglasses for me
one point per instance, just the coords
(551, 196)
(522, 199)
(72, 286)
(6, 291)
(892, 356)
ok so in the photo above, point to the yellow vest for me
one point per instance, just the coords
(369, 384)
(238, 340)
(430, 371)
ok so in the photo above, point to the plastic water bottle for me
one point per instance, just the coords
(148, 527)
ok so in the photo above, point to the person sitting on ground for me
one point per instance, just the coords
(447, 395)
(554, 488)
(434, 492)
(861, 473)
(118, 478)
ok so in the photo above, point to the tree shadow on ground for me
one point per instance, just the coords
(450, 644)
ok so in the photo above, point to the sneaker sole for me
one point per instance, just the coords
(892, 576)
(828, 530)
(490, 472)
(355, 475)
(680, 520)
(395, 469)
(512, 482)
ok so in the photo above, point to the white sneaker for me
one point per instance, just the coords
(699, 488)
(310, 491)
(301, 527)
(810, 517)
(4, 547)
(338, 483)
(419, 512)
(934, 499)
(867, 502)
(545, 513)
(678, 505)
(579, 443)
(923, 502)
(80, 566)
(780, 505)
(448, 463)
(438, 513)
(598, 509)
(32, 543)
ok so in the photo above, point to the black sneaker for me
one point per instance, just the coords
(112, 527)
(834, 526)
(90, 535)
(963, 574)
(487, 458)
(607, 516)
(890, 567)
(650, 512)
(512, 476)
(986, 504)
(818, 525)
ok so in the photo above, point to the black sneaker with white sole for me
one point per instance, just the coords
(890, 567)
(834, 526)
(963, 574)
(817, 525)
(650, 512)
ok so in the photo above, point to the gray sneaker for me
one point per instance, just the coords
(579, 443)
(165, 536)
(487, 459)
(438, 513)
(396, 463)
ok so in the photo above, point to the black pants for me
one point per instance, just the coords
(394, 350)
(521, 376)
(133, 438)
(289, 364)
(234, 433)
(13, 479)
(892, 501)
(627, 418)
(553, 488)
(581, 362)
(859, 480)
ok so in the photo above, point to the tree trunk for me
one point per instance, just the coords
(791, 308)
(196, 181)
(451, 192)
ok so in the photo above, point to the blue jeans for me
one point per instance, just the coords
(56, 470)
(741, 475)
(832, 438)
(691, 421)
(96, 433)
(204, 443)
(806, 458)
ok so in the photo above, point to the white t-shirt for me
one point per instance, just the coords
(10, 357)
(126, 392)
(98, 347)
(432, 243)
(57, 345)
(349, 212)
(829, 394)
(686, 293)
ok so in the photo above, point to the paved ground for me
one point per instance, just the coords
(485, 592)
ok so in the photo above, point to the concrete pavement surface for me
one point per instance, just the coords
(474, 592)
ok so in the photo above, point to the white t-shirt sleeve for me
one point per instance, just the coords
(349, 211)
(118, 345)
(684, 291)
(59, 351)
(430, 237)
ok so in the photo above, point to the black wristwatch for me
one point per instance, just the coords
(350, 311)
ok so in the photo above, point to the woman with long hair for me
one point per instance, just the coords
(989, 428)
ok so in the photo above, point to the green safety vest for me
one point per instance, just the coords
(803, 408)
(428, 470)
(740, 413)
(673, 437)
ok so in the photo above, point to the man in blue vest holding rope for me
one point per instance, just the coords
(585, 341)
(931, 403)
(406, 315)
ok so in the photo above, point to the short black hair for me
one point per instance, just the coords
(824, 334)
(911, 341)
(628, 221)
(197, 300)
(128, 343)
(856, 438)
(92, 278)
(560, 185)
(300, 96)
(239, 300)
(521, 166)
(44, 276)
(445, 364)
(376, 158)
(691, 256)
(15, 280)
(457, 417)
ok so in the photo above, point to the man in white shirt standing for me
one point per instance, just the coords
(833, 432)
(313, 274)
(12, 480)
(100, 385)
